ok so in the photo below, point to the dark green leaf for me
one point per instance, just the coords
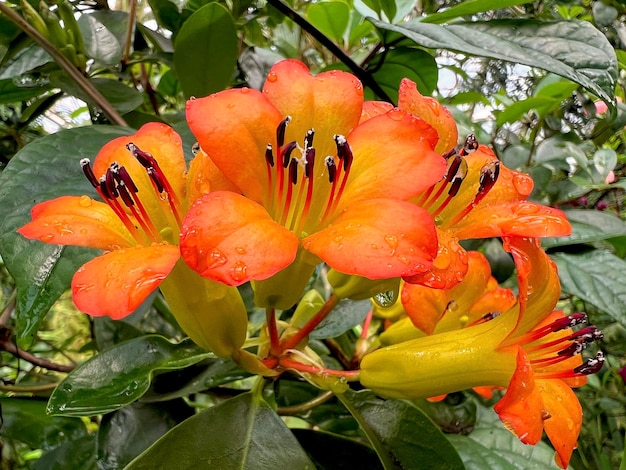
(100, 43)
(110, 332)
(28, 59)
(166, 13)
(332, 451)
(37, 107)
(242, 432)
(45, 169)
(470, 7)
(403, 437)
(588, 226)
(346, 315)
(126, 433)
(206, 51)
(120, 375)
(331, 18)
(597, 277)
(25, 420)
(571, 49)
(74, 455)
(158, 41)
(11, 93)
(256, 63)
(404, 62)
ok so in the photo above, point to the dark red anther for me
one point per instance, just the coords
(451, 153)
(344, 152)
(573, 349)
(280, 131)
(488, 176)
(569, 321)
(470, 145)
(104, 190)
(286, 153)
(309, 157)
(293, 172)
(146, 159)
(123, 176)
(591, 366)
(453, 167)
(491, 315)
(109, 182)
(308, 139)
(125, 195)
(91, 177)
(332, 168)
(155, 176)
(269, 155)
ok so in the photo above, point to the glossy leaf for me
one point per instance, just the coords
(400, 433)
(120, 375)
(206, 51)
(125, 433)
(572, 49)
(331, 18)
(344, 316)
(28, 59)
(11, 93)
(44, 169)
(100, 43)
(242, 432)
(471, 7)
(588, 226)
(73, 455)
(25, 420)
(597, 277)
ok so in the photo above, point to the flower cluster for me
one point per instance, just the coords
(306, 172)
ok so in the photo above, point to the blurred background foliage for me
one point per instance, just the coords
(547, 98)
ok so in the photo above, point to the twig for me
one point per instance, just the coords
(28, 389)
(302, 408)
(365, 77)
(82, 81)
(12, 349)
(132, 15)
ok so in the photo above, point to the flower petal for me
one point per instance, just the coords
(374, 108)
(330, 102)
(377, 239)
(393, 157)
(204, 176)
(431, 111)
(563, 425)
(116, 283)
(234, 128)
(231, 239)
(521, 409)
(81, 221)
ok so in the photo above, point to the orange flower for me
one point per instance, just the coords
(478, 197)
(316, 186)
(529, 349)
(138, 227)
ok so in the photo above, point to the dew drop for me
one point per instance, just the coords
(46, 238)
(396, 114)
(239, 271)
(272, 77)
(452, 306)
(523, 184)
(215, 259)
(374, 246)
(385, 299)
(392, 241)
(244, 90)
(67, 387)
(84, 231)
(85, 201)
(525, 208)
(338, 238)
(240, 250)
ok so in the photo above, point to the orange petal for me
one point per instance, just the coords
(231, 239)
(166, 147)
(431, 111)
(424, 306)
(521, 408)
(81, 221)
(234, 128)
(563, 425)
(393, 157)
(374, 108)
(377, 239)
(330, 102)
(116, 283)
(450, 265)
(204, 176)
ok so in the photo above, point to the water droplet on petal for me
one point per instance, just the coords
(46, 238)
(85, 201)
(84, 231)
(239, 271)
(392, 241)
(244, 90)
(523, 184)
(216, 259)
(240, 250)
(272, 77)
(385, 299)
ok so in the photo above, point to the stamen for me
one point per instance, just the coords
(588, 334)
(485, 318)
(308, 139)
(309, 157)
(456, 180)
(344, 152)
(85, 164)
(331, 166)
(195, 149)
(470, 145)
(591, 366)
(488, 176)
(286, 153)
(280, 131)
(558, 325)
(269, 155)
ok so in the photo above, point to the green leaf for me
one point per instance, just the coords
(597, 277)
(44, 169)
(492, 446)
(405, 62)
(346, 315)
(571, 49)
(388, 7)
(400, 8)
(100, 43)
(166, 14)
(588, 226)
(25, 420)
(242, 432)
(120, 375)
(470, 7)
(331, 18)
(11, 93)
(28, 59)
(403, 437)
(126, 433)
(73, 455)
(206, 51)
(604, 160)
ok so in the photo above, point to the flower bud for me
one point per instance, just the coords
(360, 288)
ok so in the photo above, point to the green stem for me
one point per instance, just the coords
(365, 77)
(94, 95)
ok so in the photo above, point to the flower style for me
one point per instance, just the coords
(137, 226)
(478, 197)
(316, 185)
(529, 349)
